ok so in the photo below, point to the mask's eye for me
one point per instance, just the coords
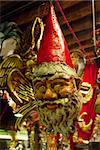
(42, 89)
(57, 88)
(39, 89)
(38, 84)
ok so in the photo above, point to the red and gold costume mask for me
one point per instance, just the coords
(54, 81)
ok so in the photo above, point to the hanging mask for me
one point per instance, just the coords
(87, 91)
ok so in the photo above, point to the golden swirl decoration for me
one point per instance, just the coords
(37, 20)
(82, 124)
(87, 91)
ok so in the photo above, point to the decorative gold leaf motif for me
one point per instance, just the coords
(82, 124)
(9, 63)
(20, 87)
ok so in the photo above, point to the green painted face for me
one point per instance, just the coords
(53, 89)
(59, 104)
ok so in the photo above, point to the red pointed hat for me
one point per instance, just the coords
(53, 57)
(53, 45)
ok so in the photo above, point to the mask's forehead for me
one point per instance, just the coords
(52, 71)
(52, 80)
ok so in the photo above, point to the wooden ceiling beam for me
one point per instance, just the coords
(82, 12)
(65, 4)
(4, 3)
(41, 11)
(82, 24)
(88, 50)
(75, 14)
(13, 8)
(85, 44)
(82, 36)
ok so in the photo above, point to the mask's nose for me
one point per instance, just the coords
(49, 94)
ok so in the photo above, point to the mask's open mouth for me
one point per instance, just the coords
(52, 105)
(59, 116)
(69, 99)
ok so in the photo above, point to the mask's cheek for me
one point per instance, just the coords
(66, 89)
(38, 94)
(63, 91)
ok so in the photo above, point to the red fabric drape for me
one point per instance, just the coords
(90, 74)
(71, 142)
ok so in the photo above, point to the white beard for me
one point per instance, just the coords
(62, 119)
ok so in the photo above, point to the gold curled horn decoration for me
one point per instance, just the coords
(83, 141)
(85, 127)
(36, 33)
